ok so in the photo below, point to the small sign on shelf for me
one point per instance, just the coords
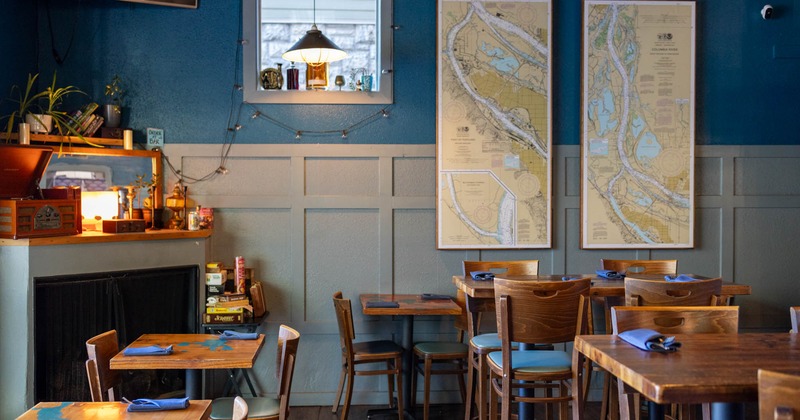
(155, 138)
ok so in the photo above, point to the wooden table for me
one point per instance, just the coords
(192, 352)
(708, 368)
(610, 291)
(198, 410)
(600, 287)
(410, 305)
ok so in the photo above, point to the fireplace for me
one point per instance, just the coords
(70, 309)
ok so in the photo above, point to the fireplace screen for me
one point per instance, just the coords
(73, 308)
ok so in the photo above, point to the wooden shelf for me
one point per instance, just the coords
(67, 141)
(89, 237)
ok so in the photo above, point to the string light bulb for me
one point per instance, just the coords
(298, 135)
(344, 134)
(256, 114)
(384, 113)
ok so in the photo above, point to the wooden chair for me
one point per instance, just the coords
(608, 408)
(640, 292)
(267, 408)
(641, 266)
(794, 311)
(354, 354)
(239, 409)
(778, 396)
(451, 357)
(671, 320)
(481, 345)
(103, 382)
(535, 312)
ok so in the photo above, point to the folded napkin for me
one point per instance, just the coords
(235, 335)
(650, 340)
(148, 351)
(681, 278)
(568, 278)
(145, 404)
(381, 304)
(434, 296)
(610, 274)
(482, 275)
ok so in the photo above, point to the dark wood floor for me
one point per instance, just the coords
(441, 412)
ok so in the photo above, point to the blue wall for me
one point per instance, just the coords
(180, 66)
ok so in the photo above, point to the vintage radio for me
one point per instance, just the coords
(25, 210)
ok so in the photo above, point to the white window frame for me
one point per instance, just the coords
(251, 53)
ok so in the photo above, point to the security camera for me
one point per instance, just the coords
(766, 11)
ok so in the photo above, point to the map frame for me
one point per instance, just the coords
(527, 224)
(662, 212)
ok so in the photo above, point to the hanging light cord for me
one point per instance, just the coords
(383, 112)
(56, 56)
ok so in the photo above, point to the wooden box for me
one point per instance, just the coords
(39, 218)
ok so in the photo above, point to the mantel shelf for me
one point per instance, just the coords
(89, 237)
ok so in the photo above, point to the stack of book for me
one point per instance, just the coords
(85, 121)
(227, 308)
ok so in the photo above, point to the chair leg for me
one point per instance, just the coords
(492, 400)
(390, 381)
(461, 384)
(398, 366)
(349, 394)
(414, 373)
(428, 368)
(470, 396)
(483, 387)
(339, 391)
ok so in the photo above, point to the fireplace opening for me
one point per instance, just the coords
(70, 309)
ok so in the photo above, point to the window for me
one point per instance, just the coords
(363, 28)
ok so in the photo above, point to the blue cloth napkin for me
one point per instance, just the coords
(434, 296)
(482, 275)
(236, 335)
(610, 274)
(148, 351)
(381, 304)
(145, 404)
(650, 340)
(568, 278)
(680, 278)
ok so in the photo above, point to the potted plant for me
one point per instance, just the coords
(50, 115)
(112, 110)
(25, 101)
(151, 215)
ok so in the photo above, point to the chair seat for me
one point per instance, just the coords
(378, 348)
(436, 347)
(488, 341)
(535, 361)
(222, 408)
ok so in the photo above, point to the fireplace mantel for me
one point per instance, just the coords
(23, 260)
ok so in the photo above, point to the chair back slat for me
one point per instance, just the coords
(511, 268)
(794, 311)
(778, 396)
(288, 340)
(640, 292)
(641, 266)
(540, 312)
(344, 317)
(103, 382)
(676, 319)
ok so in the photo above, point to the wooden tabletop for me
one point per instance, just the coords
(409, 305)
(707, 367)
(600, 287)
(191, 351)
(198, 409)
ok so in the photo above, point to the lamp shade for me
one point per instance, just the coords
(314, 47)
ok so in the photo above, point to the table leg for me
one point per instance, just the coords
(655, 411)
(193, 384)
(408, 368)
(727, 411)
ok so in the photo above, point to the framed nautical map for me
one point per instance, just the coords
(493, 124)
(638, 121)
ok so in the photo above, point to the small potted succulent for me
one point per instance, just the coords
(112, 110)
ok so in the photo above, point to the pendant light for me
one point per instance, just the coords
(314, 47)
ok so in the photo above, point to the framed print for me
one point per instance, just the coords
(637, 151)
(493, 145)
